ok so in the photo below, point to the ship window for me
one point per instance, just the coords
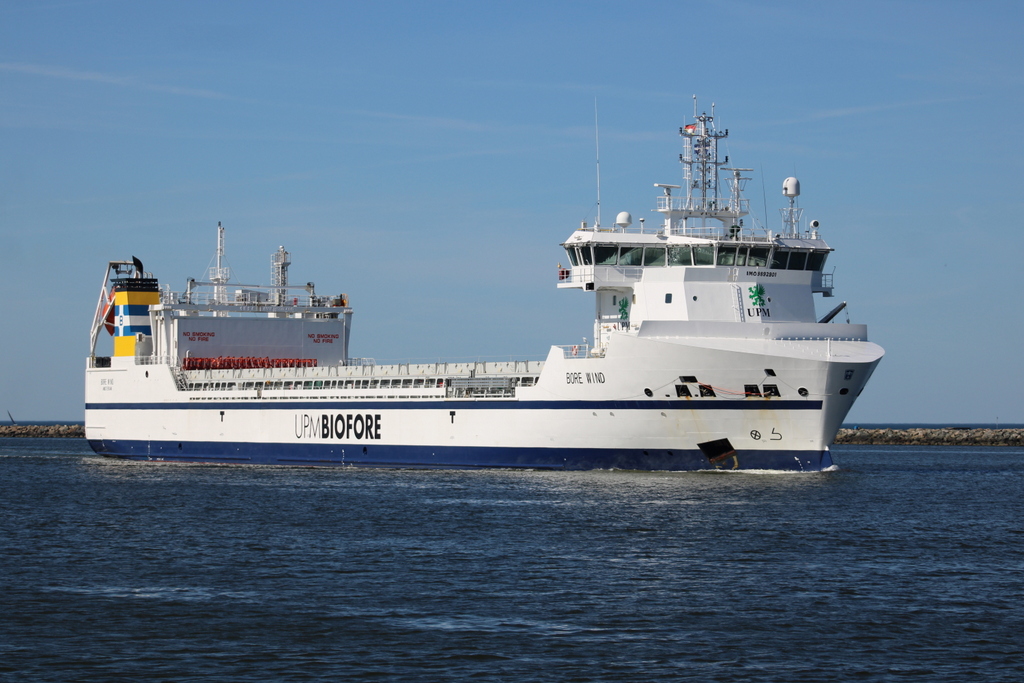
(758, 257)
(419, 382)
(606, 255)
(751, 390)
(771, 390)
(779, 258)
(307, 385)
(816, 260)
(573, 259)
(706, 390)
(586, 256)
(727, 256)
(407, 383)
(741, 256)
(668, 298)
(797, 260)
(318, 385)
(680, 256)
(704, 255)
(630, 256)
(688, 378)
(654, 256)
(682, 390)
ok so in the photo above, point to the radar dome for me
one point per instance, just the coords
(791, 187)
(623, 220)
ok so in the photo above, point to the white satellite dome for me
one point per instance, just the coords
(623, 220)
(791, 187)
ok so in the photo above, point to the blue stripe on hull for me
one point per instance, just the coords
(333, 455)
(467, 404)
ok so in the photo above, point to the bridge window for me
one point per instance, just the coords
(779, 259)
(573, 258)
(631, 256)
(680, 256)
(606, 255)
(586, 256)
(654, 256)
(704, 255)
(727, 256)
(816, 260)
(741, 256)
(758, 257)
(797, 260)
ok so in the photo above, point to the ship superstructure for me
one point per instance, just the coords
(706, 353)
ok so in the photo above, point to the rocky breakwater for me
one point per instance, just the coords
(932, 437)
(43, 431)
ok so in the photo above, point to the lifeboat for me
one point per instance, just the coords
(108, 314)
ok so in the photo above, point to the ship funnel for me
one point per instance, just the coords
(791, 187)
(623, 220)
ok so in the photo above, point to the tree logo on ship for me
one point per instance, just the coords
(756, 295)
(758, 301)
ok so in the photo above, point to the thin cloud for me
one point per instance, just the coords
(843, 112)
(108, 79)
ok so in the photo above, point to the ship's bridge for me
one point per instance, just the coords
(707, 274)
(603, 258)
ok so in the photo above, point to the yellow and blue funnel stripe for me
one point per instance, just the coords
(131, 316)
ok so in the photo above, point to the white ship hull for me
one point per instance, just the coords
(583, 413)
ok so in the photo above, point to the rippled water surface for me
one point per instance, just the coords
(905, 563)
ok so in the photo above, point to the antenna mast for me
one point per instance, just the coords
(597, 144)
(220, 274)
(279, 262)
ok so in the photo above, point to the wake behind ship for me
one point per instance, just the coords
(707, 354)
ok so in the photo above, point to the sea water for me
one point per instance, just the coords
(903, 563)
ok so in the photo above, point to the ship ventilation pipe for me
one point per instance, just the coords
(833, 313)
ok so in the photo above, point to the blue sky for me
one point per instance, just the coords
(428, 158)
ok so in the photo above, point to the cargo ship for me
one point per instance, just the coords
(706, 353)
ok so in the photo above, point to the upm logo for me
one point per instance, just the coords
(346, 426)
(758, 301)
